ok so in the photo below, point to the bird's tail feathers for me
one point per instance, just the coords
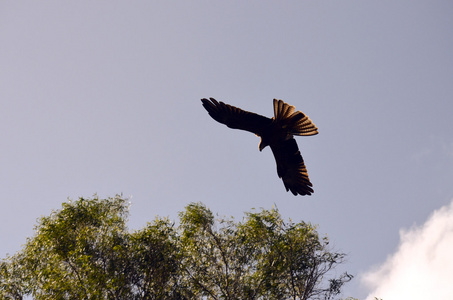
(297, 122)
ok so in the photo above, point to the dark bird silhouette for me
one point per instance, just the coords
(276, 132)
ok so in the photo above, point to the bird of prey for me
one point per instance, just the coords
(277, 133)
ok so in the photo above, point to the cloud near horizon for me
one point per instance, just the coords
(422, 266)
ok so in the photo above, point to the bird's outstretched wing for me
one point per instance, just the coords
(291, 168)
(234, 117)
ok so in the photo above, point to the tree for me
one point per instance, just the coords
(260, 258)
(85, 251)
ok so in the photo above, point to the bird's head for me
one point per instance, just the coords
(263, 144)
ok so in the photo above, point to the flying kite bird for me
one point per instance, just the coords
(277, 133)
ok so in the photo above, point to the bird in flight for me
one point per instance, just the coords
(277, 133)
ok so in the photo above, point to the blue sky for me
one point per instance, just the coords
(104, 97)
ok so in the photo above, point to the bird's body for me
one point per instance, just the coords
(277, 133)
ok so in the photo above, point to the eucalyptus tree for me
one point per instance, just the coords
(85, 251)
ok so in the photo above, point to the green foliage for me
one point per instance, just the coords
(84, 251)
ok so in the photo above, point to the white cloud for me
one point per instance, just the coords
(422, 267)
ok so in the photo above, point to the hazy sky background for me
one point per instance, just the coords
(104, 97)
